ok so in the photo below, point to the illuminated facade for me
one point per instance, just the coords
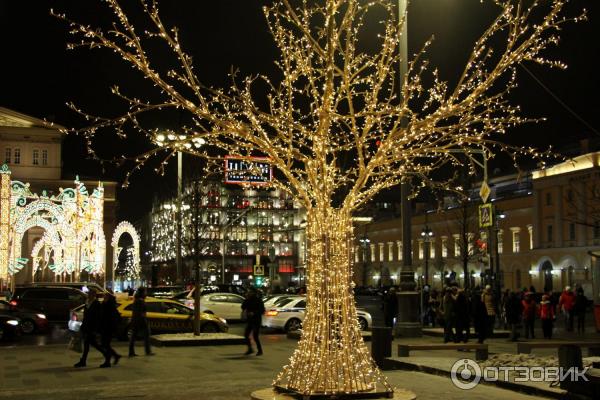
(31, 149)
(242, 222)
(551, 223)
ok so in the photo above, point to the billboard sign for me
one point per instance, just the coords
(248, 170)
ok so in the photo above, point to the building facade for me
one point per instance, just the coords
(545, 229)
(228, 229)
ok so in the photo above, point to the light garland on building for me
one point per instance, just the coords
(5, 193)
(336, 132)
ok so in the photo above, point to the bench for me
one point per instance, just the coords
(481, 350)
(525, 347)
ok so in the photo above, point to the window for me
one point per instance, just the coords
(44, 157)
(154, 306)
(571, 231)
(548, 199)
(390, 251)
(399, 245)
(237, 248)
(36, 157)
(432, 249)
(239, 233)
(456, 238)
(500, 241)
(444, 246)
(300, 304)
(421, 249)
(470, 240)
(286, 266)
(7, 154)
(549, 233)
(516, 240)
(17, 155)
(233, 299)
(381, 252)
(372, 252)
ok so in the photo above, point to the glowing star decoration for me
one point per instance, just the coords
(336, 130)
(122, 228)
(5, 193)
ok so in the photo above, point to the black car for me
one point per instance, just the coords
(10, 326)
(55, 302)
(31, 320)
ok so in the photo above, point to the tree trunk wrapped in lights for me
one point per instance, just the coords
(331, 356)
(337, 129)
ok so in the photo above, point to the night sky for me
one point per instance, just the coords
(39, 75)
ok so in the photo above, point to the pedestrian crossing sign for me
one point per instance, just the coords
(259, 270)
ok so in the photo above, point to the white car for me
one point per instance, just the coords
(225, 305)
(273, 299)
(288, 314)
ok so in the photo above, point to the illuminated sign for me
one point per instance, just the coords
(248, 170)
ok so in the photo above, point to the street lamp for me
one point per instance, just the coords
(498, 215)
(426, 234)
(364, 243)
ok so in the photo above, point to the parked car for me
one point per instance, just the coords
(55, 302)
(187, 296)
(83, 286)
(31, 321)
(288, 314)
(271, 300)
(164, 315)
(10, 326)
(226, 305)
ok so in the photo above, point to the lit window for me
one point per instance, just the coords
(390, 251)
(17, 156)
(432, 249)
(470, 240)
(399, 245)
(444, 246)
(516, 240)
(500, 241)
(421, 249)
(456, 245)
(381, 252)
(44, 157)
(36, 157)
(372, 246)
(7, 153)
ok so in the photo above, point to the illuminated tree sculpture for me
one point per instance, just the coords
(336, 131)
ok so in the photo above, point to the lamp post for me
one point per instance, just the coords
(426, 234)
(498, 215)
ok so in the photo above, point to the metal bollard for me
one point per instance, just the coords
(381, 344)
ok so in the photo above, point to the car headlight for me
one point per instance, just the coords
(41, 316)
(223, 320)
(12, 322)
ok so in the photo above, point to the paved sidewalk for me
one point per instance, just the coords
(210, 372)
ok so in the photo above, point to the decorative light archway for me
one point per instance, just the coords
(126, 227)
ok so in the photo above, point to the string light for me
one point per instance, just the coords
(335, 130)
(122, 228)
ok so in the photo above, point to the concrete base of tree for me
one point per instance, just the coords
(272, 394)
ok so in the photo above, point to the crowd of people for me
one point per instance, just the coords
(458, 310)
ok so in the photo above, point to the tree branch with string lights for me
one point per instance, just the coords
(338, 126)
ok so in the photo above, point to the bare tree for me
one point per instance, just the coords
(337, 132)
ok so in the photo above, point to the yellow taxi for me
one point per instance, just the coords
(164, 315)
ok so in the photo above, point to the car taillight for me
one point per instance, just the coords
(13, 303)
(271, 313)
(73, 317)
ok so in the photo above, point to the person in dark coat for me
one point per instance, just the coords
(462, 317)
(139, 323)
(479, 316)
(581, 303)
(530, 311)
(390, 307)
(108, 326)
(90, 325)
(449, 305)
(514, 311)
(254, 308)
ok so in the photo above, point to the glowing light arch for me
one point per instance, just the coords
(126, 227)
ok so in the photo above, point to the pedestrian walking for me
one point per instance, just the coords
(514, 311)
(390, 307)
(579, 309)
(547, 316)
(566, 302)
(254, 308)
(530, 311)
(109, 321)
(139, 322)
(487, 298)
(90, 327)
